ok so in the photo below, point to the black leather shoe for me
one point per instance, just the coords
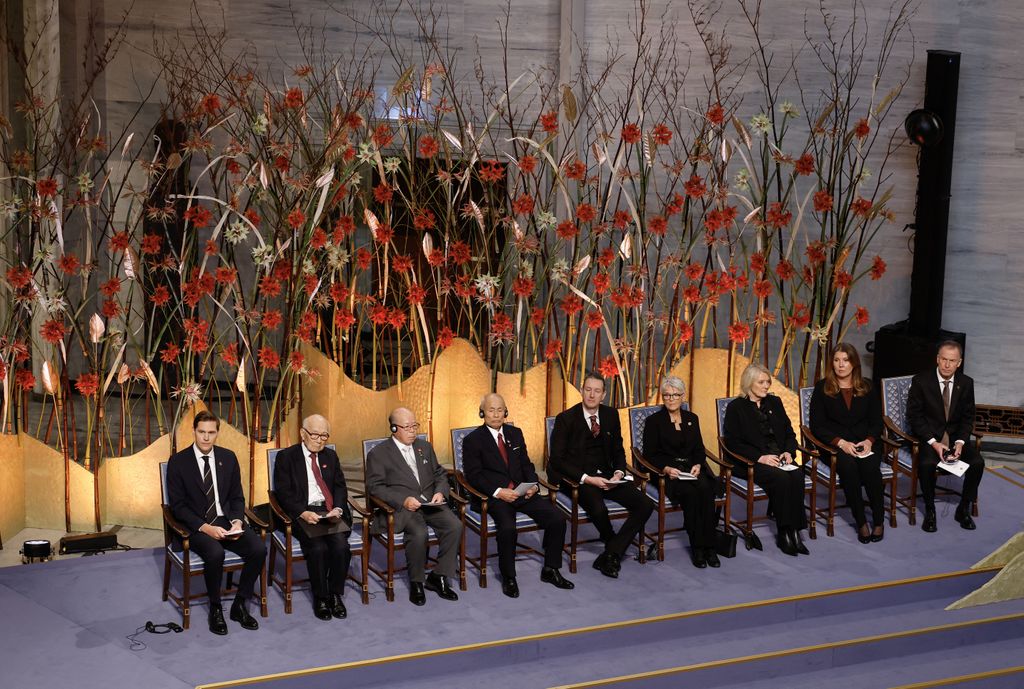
(877, 534)
(785, 542)
(697, 558)
(615, 561)
(509, 587)
(607, 564)
(963, 515)
(321, 609)
(798, 543)
(416, 594)
(217, 624)
(712, 557)
(930, 524)
(438, 583)
(863, 534)
(241, 615)
(338, 610)
(550, 575)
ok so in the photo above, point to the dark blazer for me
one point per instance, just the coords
(185, 494)
(742, 427)
(388, 476)
(483, 466)
(665, 446)
(832, 421)
(291, 487)
(925, 412)
(567, 458)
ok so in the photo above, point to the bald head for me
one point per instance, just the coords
(494, 409)
(403, 420)
(315, 432)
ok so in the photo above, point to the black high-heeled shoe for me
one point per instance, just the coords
(863, 533)
(877, 534)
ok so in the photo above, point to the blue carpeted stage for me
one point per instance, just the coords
(66, 622)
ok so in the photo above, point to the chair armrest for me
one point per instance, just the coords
(552, 488)
(256, 521)
(461, 479)
(278, 511)
(356, 508)
(721, 461)
(459, 499)
(821, 447)
(175, 525)
(572, 484)
(648, 467)
(380, 504)
(891, 427)
(643, 476)
(733, 456)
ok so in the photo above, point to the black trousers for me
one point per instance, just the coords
(327, 560)
(629, 496)
(697, 498)
(540, 510)
(449, 531)
(248, 546)
(856, 474)
(928, 462)
(785, 491)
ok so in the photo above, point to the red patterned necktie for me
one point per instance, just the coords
(595, 427)
(503, 451)
(328, 498)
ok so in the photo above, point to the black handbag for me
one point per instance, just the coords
(725, 543)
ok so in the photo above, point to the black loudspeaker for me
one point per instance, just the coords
(88, 542)
(899, 352)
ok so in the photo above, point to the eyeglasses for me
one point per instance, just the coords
(317, 436)
(672, 395)
(409, 427)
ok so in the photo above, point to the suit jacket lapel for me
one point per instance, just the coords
(954, 394)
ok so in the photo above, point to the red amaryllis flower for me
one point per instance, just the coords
(46, 187)
(197, 215)
(763, 288)
(571, 304)
(842, 280)
(229, 354)
(384, 233)
(804, 165)
(428, 146)
(382, 135)
(344, 319)
(169, 354)
(567, 229)
(757, 263)
(436, 258)
(460, 253)
(861, 316)
(523, 286)
(69, 263)
(523, 205)
(363, 258)
(119, 241)
(537, 316)
(553, 350)
(631, 133)
(424, 219)
(296, 219)
(353, 120)
(606, 257)
(253, 217)
(684, 332)
(151, 244)
(594, 319)
(53, 331)
(861, 206)
(662, 134)
(777, 216)
(622, 220)
(110, 287)
(210, 104)
(691, 294)
(575, 170)
(271, 319)
(232, 166)
(378, 314)
(197, 334)
(657, 226)
(293, 98)
(801, 316)
(225, 275)
(161, 295)
(585, 212)
(491, 171)
(739, 332)
(815, 253)
(268, 358)
(417, 293)
(401, 264)
(19, 276)
(24, 379)
(822, 201)
(608, 368)
(602, 281)
(87, 384)
(343, 227)
(695, 187)
(270, 286)
(861, 129)
(445, 337)
(717, 218)
(716, 114)
(877, 268)
(527, 164)
(784, 269)
(282, 164)
(549, 121)
(694, 271)
(339, 292)
(110, 308)
(501, 328)
(296, 360)
(383, 193)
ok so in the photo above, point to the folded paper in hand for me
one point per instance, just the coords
(957, 468)
(523, 488)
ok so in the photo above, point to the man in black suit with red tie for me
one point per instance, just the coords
(586, 448)
(495, 461)
(204, 490)
(310, 487)
(940, 410)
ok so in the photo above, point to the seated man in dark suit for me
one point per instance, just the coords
(586, 447)
(204, 491)
(940, 410)
(310, 488)
(404, 473)
(495, 461)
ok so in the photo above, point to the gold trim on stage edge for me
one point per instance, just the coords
(973, 677)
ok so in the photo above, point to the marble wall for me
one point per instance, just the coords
(984, 275)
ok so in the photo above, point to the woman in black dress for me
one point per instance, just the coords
(756, 427)
(672, 443)
(847, 414)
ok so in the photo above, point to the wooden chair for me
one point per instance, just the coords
(897, 430)
(654, 487)
(826, 466)
(476, 520)
(741, 479)
(178, 554)
(570, 505)
(393, 542)
(284, 544)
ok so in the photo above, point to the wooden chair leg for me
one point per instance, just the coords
(390, 584)
(186, 576)
(661, 527)
(167, 573)
(573, 532)
(287, 580)
(263, 590)
(483, 557)
(831, 505)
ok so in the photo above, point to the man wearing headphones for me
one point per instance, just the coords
(406, 475)
(495, 462)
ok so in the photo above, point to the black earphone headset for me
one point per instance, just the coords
(482, 412)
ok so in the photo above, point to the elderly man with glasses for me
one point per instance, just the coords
(310, 488)
(404, 473)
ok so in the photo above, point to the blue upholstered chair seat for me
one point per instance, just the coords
(355, 542)
(564, 503)
(196, 563)
(522, 521)
(826, 471)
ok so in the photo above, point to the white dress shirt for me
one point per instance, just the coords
(941, 382)
(313, 488)
(213, 474)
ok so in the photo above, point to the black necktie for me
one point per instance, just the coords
(211, 497)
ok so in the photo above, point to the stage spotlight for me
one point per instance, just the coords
(923, 127)
(37, 550)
